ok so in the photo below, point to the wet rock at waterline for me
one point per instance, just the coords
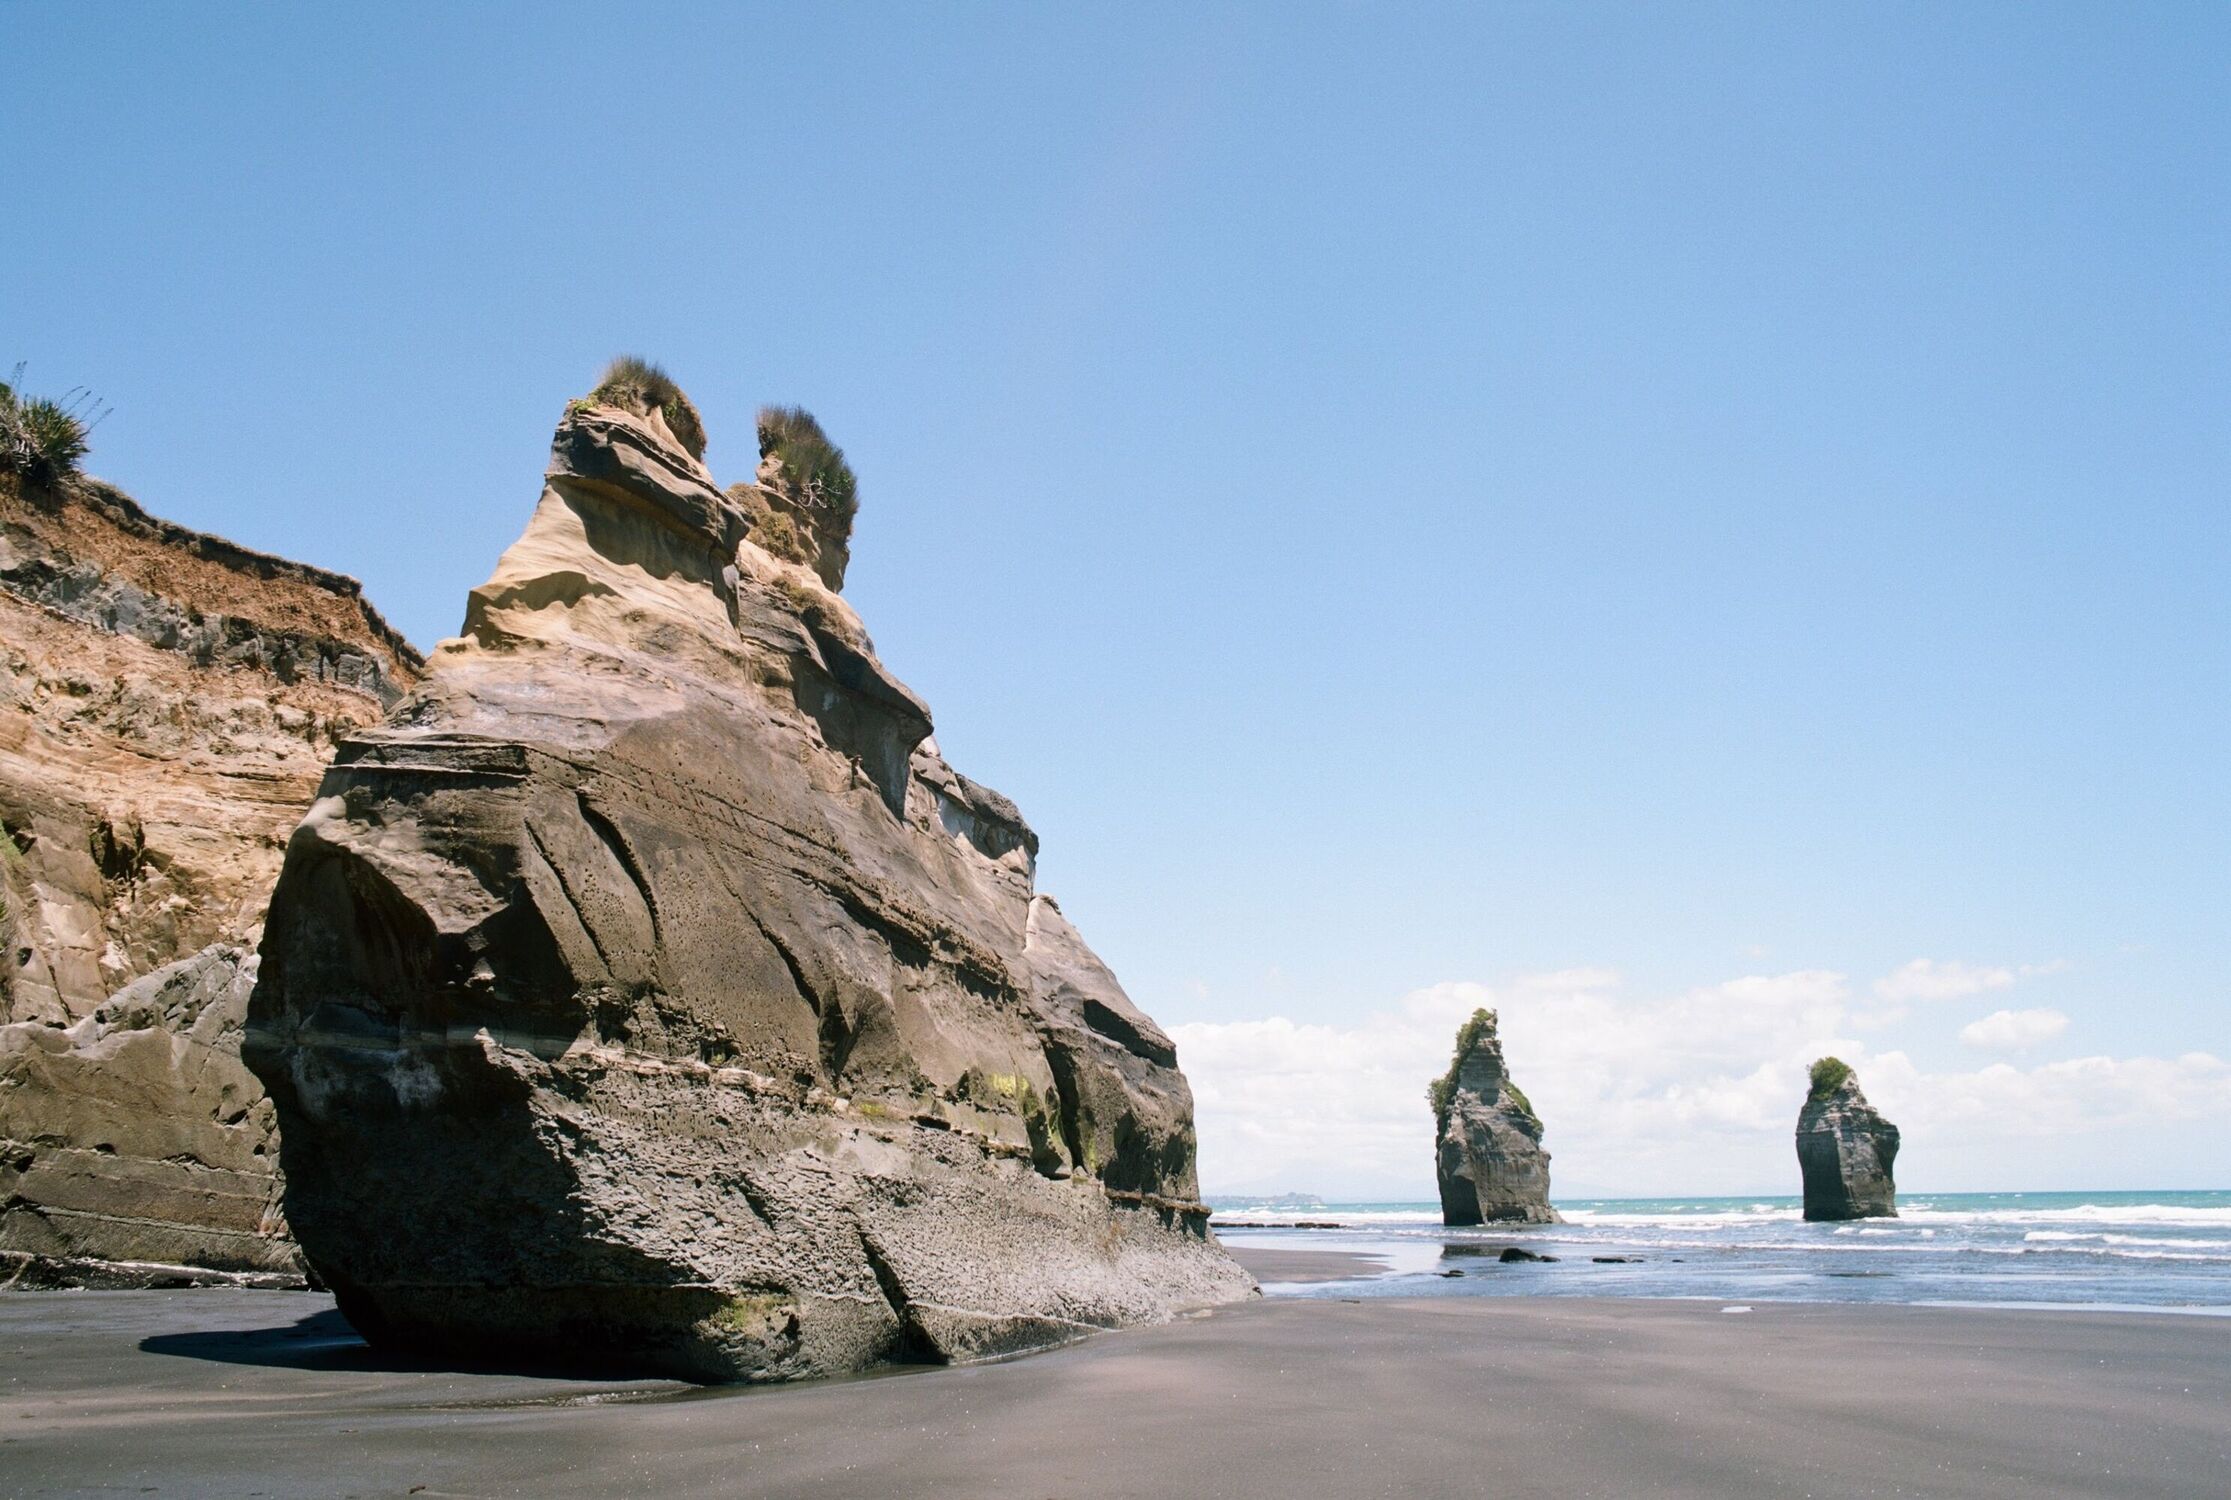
(1488, 1141)
(1845, 1149)
(650, 990)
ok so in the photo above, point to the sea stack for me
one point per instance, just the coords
(168, 701)
(649, 990)
(1488, 1140)
(1845, 1149)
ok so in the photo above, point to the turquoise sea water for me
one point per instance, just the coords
(2144, 1249)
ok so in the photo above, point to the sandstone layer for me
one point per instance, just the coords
(1488, 1142)
(168, 702)
(1845, 1149)
(650, 990)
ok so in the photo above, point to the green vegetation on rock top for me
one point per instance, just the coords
(1829, 1074)
(1442, 1091)
(644, 387)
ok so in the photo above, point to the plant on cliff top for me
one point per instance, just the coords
(643, 386)
(1829, 1074)
(1441, 1092)
(809, 469)
(41, 441)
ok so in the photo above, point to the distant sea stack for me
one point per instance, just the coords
(168, 701)
(1488, 1140)
(1845, 1148)
(649, 991)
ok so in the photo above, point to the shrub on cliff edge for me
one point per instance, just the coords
(42, 440)
(644, 387)
(808, 468)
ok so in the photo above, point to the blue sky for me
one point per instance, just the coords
(1402, 497)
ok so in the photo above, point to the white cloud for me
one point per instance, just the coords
(1930, 979)
(2014, 1030)
(2098, 1097)
(1694, 1092)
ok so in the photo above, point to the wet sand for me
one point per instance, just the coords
(241, 1393)
(1266, 1264)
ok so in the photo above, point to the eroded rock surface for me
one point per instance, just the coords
(649, 989)
(1488, 1141)
(1845, 1149)
(167, 704)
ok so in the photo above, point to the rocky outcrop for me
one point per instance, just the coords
(649, 989)
(1845, 1149)
(1488, 1141)
(167, 703)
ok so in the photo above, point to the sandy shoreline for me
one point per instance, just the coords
(234, 1393)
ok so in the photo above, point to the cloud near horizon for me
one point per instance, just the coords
(1694, 1092)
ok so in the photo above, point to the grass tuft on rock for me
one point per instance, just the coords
(643, 387)
(809, 469)
(42, 440)
(1829, 1074)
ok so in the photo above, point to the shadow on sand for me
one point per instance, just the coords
(324, 1341)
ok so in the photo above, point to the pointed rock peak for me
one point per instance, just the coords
(1477, 1071)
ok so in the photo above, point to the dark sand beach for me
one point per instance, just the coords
(239, 1393)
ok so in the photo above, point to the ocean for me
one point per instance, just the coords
(2156, 1250)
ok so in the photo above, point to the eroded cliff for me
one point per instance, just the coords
(649, 988)
(167, 704)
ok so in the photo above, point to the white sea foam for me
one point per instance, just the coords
(2072, 1236)
(2184, 1215)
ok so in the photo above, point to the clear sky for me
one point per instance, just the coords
(1713, 505)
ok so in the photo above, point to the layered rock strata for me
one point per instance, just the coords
(649, 990)
(1845, 1149)
(168, 701)
(1488, 1151)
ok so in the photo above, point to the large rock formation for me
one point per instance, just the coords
(650, 989)
(1845, 1149)
(167, 703)
(1487, 1139)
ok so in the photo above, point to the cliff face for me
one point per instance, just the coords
(649, 988)
(1488, 1146)
(167, 703)
(1845, 1149)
